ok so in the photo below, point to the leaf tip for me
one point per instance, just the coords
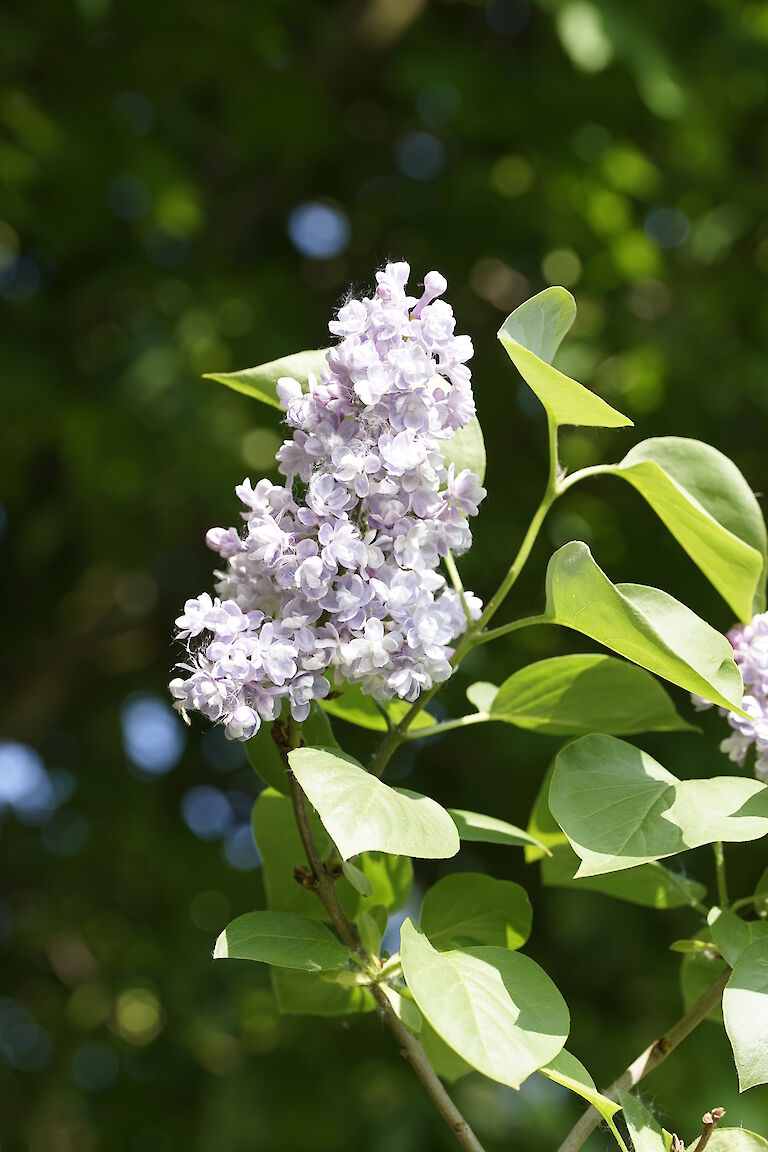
(221, 947)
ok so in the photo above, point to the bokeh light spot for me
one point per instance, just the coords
(206, 812)
(138, 1015)
(153, 737)
(420, 155)
(318, 230)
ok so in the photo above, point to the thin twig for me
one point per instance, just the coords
(647, 1061)
(325, 887)
(709, 1122)
(722, 885)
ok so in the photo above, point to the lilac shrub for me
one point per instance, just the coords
(335, 576)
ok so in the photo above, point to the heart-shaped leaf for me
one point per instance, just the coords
(566, 1070)
(469, 908)
(707, 505)
(490, 830)
(283, 939)
(649, 885)
(732, 935)
(531, 337)
(745, 1010)
(497, 1009)
(356, 708)
(645, 625)
(620, 808)
(574, 695)
(260, 383)
(360, 813)
(466, 449)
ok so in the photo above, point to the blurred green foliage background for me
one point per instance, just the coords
(192, 188)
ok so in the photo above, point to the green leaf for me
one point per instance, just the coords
(699, 971)
(688, 947)
(260, 383)
(391, 879)
(531, 337)
(404, 1008)
(359, 881)
(732, 935)
(761, 894)
(643, 624)
(278, 840)
(566, 1070)
(447, 1063)
(474, 826)
(745, 1010)
(620, 808)
(649, 885)
(468, 908)
(370, 932)
(497, 1009)
(265, 759)
(482, 695)
(643, 1128)
(542, 825)
(316, 729)
(361, 813)
(709, 508)
(356, 708)
(736, 1140)
(283, 939)
(466, 449)
(541, 323)
(574, 695)
(305, 994)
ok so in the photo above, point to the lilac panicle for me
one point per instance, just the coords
(336, 574)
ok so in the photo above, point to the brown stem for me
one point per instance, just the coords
(325, 887)
(653, 1055)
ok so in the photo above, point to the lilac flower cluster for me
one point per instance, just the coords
(336, 573)
(750, 651)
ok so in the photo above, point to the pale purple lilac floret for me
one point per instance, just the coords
(750, 651)
(335, 576)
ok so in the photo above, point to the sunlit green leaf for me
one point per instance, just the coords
(265, 759)
(643, 624)
(404, 1008)
(698, 972)
(745, 1011)
(620, 808)
(358, 879)
(644, 1129)
(308, 994)
(482, 695)
(542, 824)
(736, 1140)
(490, 830)
(531, 336)
(466, 449)
(447, 1063)
(566, 1070)
(283, 939)
(706, 503)
(497, 1009)
(356, 708)
(360, 813)
(260, 383)
(573, 695)
(469, 908)
(732, 935)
